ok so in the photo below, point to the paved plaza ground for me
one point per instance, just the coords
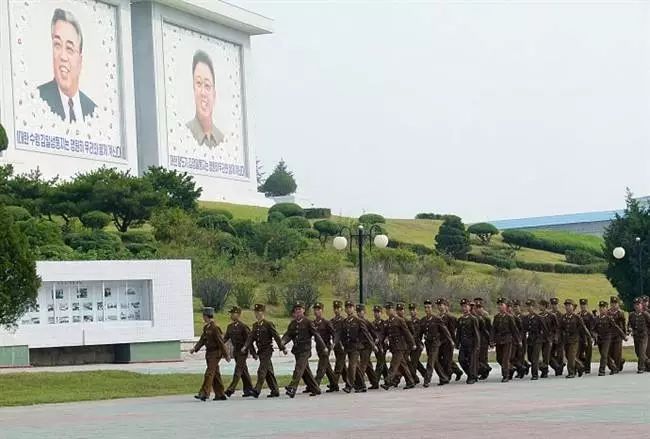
(589, 407)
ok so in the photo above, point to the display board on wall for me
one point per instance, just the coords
(204, 104)
(66, 78)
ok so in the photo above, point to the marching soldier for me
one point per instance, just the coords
(300, 331)
(326, 332)
(434, 331)
(340, 370)
(604, 328)
(215, 349)
(552, 325)
(262, 334)
(379, 327)
(414, 356)
(446, 351)
(646, 304)
(485, 326)
(400, 342)
(351, 335)
(573, 328)
(557, 350)
(237, 334)
(585, 347)
(504, 335)
(639, 325)
(616, 346)
(367, 347)
(468, 340)
(519, 350)
(536, 331)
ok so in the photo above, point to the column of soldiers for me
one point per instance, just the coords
(525, 342)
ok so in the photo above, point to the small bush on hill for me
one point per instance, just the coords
(581, 257)
(297, 222)
(484, 231)
(18, 213)
(95, 220)
(215, 211)
(244, 292)
(302, 291)
(287, 209)
(213, 292)
(371, 218)
(317, 212)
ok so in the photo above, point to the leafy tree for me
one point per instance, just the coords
(173, 225)
(452, 239)
(281, 182)
(326, 229)
(287, 209)
(624, 274)
(95, 220)
(6, 172)
(297, 222)
(484, 231)
(40, 232)
(179, 187)
(18, 213)
(275, 241)
(19, 282)
(371, 218)
(216, 222)
(276, 217)
(4, 141)
(31, 191)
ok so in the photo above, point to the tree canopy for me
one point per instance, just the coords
(452, 238)
(281, 182)
(484, 231)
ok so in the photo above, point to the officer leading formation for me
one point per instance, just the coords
(533, 342)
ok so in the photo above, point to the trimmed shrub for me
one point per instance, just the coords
(484, 231)
(215, 211)
(527, 239)
(311, 233)
(138, 237)
(287, 209)
(215, 222)
(244, 292)
(141, 249)
(581, 257)
(40, 232)
(95, 220)
(317, 212)
(326, 229)
(496, 261)
(452, 239)
(297, 222)
(228, 245)
(429, 216)
(302, 291)
(18, 213)
(244, 228)
(55, 253)
(418, 249)
(213, 292)
(544, 267)
(372, 218)
(276, 217)
(273, 295)
(94, 240)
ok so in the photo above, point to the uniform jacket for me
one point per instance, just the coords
(414, 326)
(572, 328)
(337, 324)
(353, 333)
(467, 332)
(434, 331)
(450, 322)
(504, 329)
(212, 339)
(535, 327)
(589, 320)
(398, 335)
(605, 327)
(263, 333)
(237, 333)
(325, 330)
(300, 332)
(378, 329)
(639, 323)
(552, 325)
(619, 319)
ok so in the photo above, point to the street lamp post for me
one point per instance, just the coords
(619, 253)
(379, 239)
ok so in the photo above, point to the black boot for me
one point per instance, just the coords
(201, 397)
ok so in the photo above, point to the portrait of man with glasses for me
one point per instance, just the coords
(202, 126)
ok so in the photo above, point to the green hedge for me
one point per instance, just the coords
(562, 268)
(418, 249)
(317, 213)
(492, 260)
(528, 239)
(581, 257)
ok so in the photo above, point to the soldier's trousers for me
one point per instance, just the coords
(212, 378)
(302, 371)
(433, 363)
(557, 358)
(325, 368)
(647, 355)
(446, 355)
(468, 359)
(534, 349)
(604, 346)
(572, 362)
(353, 366)
(365, 369)
(397, 369)
(381, 369)
(340, 371)
(518, 356)
(241, 372)
(415, 364)
(641, 347)
(503, 358)
(616, 352)
(585, 351)
(265, 373)
(483, 364)
(547, 347)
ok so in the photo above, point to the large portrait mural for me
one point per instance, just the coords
(204, 104)
(65, 73)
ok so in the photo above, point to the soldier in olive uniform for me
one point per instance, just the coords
(557, 350)
(639, 325)
(400, 343)
(237, 334)
(379, 327)
(536, 331)
(616, 346)
(504, 334)
(585, 347)
(414, 356)
(485, 326)
(604, 328)
(340, 371)
(300, 331)
(434, 331)
(365, 362)
(573, 328)
(215, 349)
(326, 331)
(468, 340)
(552, 325)
(446, 351)
(262, 334)
(351, 335)
(646, 307)
(519, 362)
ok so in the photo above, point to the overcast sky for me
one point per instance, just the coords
(489, 110)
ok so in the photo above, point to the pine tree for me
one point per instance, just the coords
(281, 182)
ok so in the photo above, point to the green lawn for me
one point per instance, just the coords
(239, 211)
(413, 231)
(588, 241)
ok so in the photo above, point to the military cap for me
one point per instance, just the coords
(543, 302)
(515, 302)
(259, 307)
(613, 299)
(388, 305)
(644, 298)
(298, 304)
(427, 302)
(603, 304)
(478, 300)
(569, 302)
(637, 300)
(472, 304)
(412, 306)
(464, 302)
(361, 307)
(554, 300)
(583, 301)
(376, 308)
(349, 303)
(337, 304)
(318, 305)
(530, 302)
(501, 300)
(208, 311)
(235, 310)
(440, 301)
(399, 306)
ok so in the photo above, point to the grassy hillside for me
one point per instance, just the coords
(589, 241)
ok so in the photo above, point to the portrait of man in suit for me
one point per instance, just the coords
(62, 93)
(202, 127)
